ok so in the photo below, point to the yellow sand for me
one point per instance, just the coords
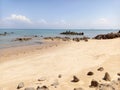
(67, 59)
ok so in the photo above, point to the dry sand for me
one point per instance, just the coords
(67, 59)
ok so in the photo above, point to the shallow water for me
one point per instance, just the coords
(8, 40)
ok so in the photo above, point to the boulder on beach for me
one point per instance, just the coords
(100, 69)
(42, 88)
(75, 79)
(107, 77)
(76, 39)
(20, 85)
(107, 36)
(94, 83)
(118, 74)
(90, 73)
(59, 76)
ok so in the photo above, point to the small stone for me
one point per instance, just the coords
(42, 79)
(107, 77)
(100, 69)
(29, 88)
(118, 74)
(90, 73)
(94, 83)
(75, 79)
(78, 89)
(42, 88)
(118, 79)
(59, 76)
(20, 85)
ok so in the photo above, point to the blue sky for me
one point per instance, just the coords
(60, 14)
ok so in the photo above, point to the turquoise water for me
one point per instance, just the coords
(8, 40)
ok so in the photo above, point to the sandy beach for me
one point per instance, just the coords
(58, 63)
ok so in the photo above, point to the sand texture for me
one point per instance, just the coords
(57, 64)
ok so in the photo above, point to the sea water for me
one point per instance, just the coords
(8, 40)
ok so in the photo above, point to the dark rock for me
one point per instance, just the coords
(29, 88)
(107, 36)
(59, 76)
(90, 73)
(86, 40)
(72, 33)
(42, 88)
(78, 89)
(35, 36)
(66, 39)
(118, 79)
(75, 79)
(119, 31)
(22, 39)
(100, 69)
(20, 85)
(94, 83)
(76, 39)
(107, 77)
(118, 74)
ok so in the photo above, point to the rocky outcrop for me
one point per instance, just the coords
(107, 36)
(72, 33)
(82, 38)
(57, 38)
(23, 39)
(5, 33)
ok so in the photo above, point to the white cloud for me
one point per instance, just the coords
(103, 21)
(42, 21)
(63, 21)
(18, 18)
(18, 21)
